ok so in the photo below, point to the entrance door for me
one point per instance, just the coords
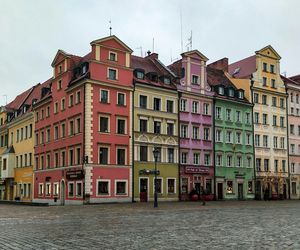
(220, 191)
(284, 191)
(198, 188)
(143, 189)
(62, 193)
(240, 191)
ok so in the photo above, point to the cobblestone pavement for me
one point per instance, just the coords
(176, 225)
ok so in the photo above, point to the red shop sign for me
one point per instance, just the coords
(196, 170)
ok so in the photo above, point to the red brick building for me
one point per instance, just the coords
(83, 127)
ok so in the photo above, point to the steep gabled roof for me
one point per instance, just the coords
(243, 68)
(269, 48)
(195, 51)
(60, 52)
(113, 37)
(19, 100)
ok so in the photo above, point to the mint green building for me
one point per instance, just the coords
(233, 137)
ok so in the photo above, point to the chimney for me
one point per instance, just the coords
(152, 55)
(221, 64)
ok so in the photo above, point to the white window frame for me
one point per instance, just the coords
(121, 147)
(76, 191)
(167, 179)
(126, 187)
(108, 96)
(117, 73)
(124, 98)
(71, 182)
(54, 191)
(42, 193)
(105, 116)
(109, 187)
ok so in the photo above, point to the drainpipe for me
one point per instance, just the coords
(214, 147)
(253, 135)
(288, 142)
(132, 138)
(178, 137)
(83, 145)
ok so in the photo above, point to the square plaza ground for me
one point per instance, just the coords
(174, 225)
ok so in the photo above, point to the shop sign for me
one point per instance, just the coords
(196, 170)
(74, 174)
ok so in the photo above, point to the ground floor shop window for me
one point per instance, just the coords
(208, 186)
(229, 187)
(184, 185)
(78, 189)
(55, 189)
(48, 189)
(41, 189)
(250, 187)
(121, 187)
(293, 187)
(103, 188)
(71, 189)
(171, 186)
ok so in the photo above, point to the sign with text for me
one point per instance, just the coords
(74, 174)
(196, 170)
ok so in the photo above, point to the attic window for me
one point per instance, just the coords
(139, 73)
(59, 68)
(167, 80)
(221, 90)
(241, 94)
(112, 56)
(152, 76)
(231, 92)
(195, 79)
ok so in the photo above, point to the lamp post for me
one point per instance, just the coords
(155, 154)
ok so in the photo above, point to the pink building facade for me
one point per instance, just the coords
(196, 126)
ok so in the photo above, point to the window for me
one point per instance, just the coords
(249, 160)
(195, 107)
(157, 127)
(248, 139)
(283, 166)
(104, 98)
(121, 156)
(171, 186)
(264, 100)
(218, 113)
(103, 188)
(238, 161)
(112, 74)
(78, 189)
(71, 157)
(78, 127)
(292, 110)
(292, 129)
(228, 114)
(228, 136)
(229, 160)
(112, 56)
(238, 137)
(219, 160)
(256, 98)
(78, 97)
(238, 116)
(218, 135)
(221, 90)
(48, 136)
(170, 129)
(195, 79)
(143, 153)
(240, 94)
(156, 104)
(248, 118)
(265, 69)
(229, 187)
(143, 101)
(158, 154)
(294, 188)
(184, 185)
(281, 103)
(140, 75)
(258, 164)
(292, 167)
(264, 81)
(121, 126)
(206, 136)
(170, 105)
(183, 105)
(121, 187)
(183, 131)
(48, 161)
(55, 108)
(275, 141)
(265, 119)
(63, 104)
(71, 100)
(55, 132)
(48, 189)
(206, 109)
(55, 189)
(56, 160)
(206, 159)
(78, 156)
(196, 157)
(274, 101)
(281, 121)
(274, 120)
(104, 124)
(265, 141)
(103, 155)
(121, 99)
(250, 187)
(63, 158)
(276, 166)
(184, 157)
(41, 189)
(195, 133)
(143, 125)
(266, 165)
(297, 99)
(59, 85)
(257, 140)
(273, 85)
(63, 130)
(170, 155)
(272, 69)
(71, 189)
(71, 127)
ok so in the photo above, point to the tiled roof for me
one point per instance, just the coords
(246, 67)
(289, 80)
(176, 67)
(19, 100)
(295, 78)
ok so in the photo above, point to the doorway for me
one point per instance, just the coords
(62, 192)
(143, 189)
(220, 191)
(240, 191)
(284, 191)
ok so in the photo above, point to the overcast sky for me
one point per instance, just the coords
(31, 32)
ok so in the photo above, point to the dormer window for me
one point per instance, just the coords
(230, 92)
(167, 80)
(139, 73)
(84, 69)
(195, 79)
(152, 76)
(221, 90)
(240, 94)
(112, 56)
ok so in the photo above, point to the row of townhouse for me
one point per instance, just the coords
(87, 134)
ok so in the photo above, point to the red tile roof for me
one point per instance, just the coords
(19, 100)
(246, 67)
(289, 80)
(295, 78)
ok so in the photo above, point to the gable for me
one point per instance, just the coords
(114, 42)
(269, 51)
(60, 55)
(195, 54)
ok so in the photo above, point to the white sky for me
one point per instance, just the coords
(32, 31)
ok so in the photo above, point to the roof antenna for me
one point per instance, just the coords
(110, 28)
(190, 42)
(153, 45)
(181, 30)
(5, 99)
(140, 48)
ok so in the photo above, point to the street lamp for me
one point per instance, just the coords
(155, 154)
